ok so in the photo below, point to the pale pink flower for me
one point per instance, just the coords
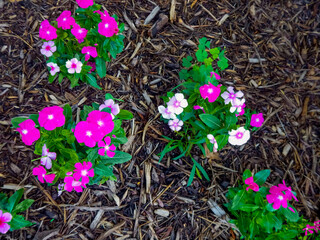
(83, 172)
(231, 96)
(177, 103)
(42, 175)
(197, 107)
(166, 113)
(71, 183)
(239, 136)
(108, 26)
(242, 110)
(257, 120)
(85, 3)
(48, 48)
(102, 121)
(213, 141)
(210, 91)
(47, 31)
(237, 105)
(79, 33)
(115, 109)
(252, 185)
(47, 157)
(175, 124)
(54, 68)
(89, 51)
(29, 132)
(51, 117)
(106, 148)
(4, 219)
(74, 65)
(65, 21)
(87, 133)
(215, 75)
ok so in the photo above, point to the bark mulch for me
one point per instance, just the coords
(273, 48)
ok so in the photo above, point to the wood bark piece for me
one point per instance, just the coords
(151, 16)
(163, 20)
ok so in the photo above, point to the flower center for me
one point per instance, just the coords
(88, 52)
(107, 147)
(25, 131)
(100, 123)
(106, 25)
(84, 172)
(210, 90)
(231, 95)
(167, 111)
(48, 32)
(50, 117)
(176, 104)
(239, 135)
(80, 31)
(48, 48)
(257, 120)
(64, 19)
(74, 65)
(89, 133)
(280, 198)
(52, 68)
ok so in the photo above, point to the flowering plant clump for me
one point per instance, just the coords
(205, 113)
(264, 213)
(9, 209)
(79, 153)
(77, 47)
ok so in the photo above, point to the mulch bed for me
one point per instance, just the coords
(273, 48)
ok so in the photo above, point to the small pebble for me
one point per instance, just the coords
(162, 212)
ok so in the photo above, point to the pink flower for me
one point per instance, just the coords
(83, 171)
(47, 31)
(215, 75)
(237, 105)
(87, 133)
(107, 148)
(177, 103)
(166, 113)
(79, 33)
(108, 26)
(51, 117)
(4, 219)
(48, 48)
(74, 65)
(242, 110)
(92, 65)
(231, 96)
(210, 91)
(54, 68)
(175, 124)
(239, 136)
(29, 132)
(252, 185)
(47, 157)
(71, 183)
(41, 173)
(197, 107)
(115, 109)
(102, 122)
(308, 229)
(213, 141)
(89, 51)
(103, 15)
(277, 198)
(287, 190)
(85, 3)
(257, 120)
(65, 21)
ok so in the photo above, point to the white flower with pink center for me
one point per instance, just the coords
(231, 96)
(175, 124)
(166, 113)
(237, 105)
(48, 48)
(213, 141)
(54, 68)
(74, 65)
(239, 136)
(177, 103)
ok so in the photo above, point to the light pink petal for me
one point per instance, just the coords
(230, 90)
(239, 94)
(6, 217)
(225, 95)
(4, 228)
(52, 155)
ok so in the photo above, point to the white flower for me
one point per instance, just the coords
(213, 141)
(177, 103)
(237, 105)
(115, 109)
(48, 48)
(239, 136)
(74, 65)
(54, 68)
(231, 96)
(166, 113)
(175, 124)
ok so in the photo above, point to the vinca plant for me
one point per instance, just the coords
(78, 47)
(265, 213)
(205, 113)
(79, 153)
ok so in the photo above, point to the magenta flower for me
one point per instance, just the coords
(4, 219)
(102, 122)
(277, 198)
(87, 133)
(166, 113)
(197, 107)
(41, 173)
(83, 171)
(65, 21)
(115, 109)
(309, 229)
(108, 26)
(47, 31)
(89, 51)
(74, 65)
(92, 65)
(29, 132)
(231, 96)
(215, 75)
(71, 183)
(47, 157)
(103, 15)
(287, 190)
(252, 185)
(105, 147)
(257, 120)
(54, 68)
(177, 103)
(175, 124)
(48, 48)
(210, 91)
(213, 141)
(242, 110)
(51, 117)
(85, 3)
(79, 33)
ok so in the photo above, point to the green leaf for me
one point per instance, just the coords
(125, 115)
(191, 177)
(108, 96)
(14, 199)
(261, 177)
(17, 120)
(34, 118)
(248, 207)
(67, 112)
(258, 200)
(291, 216)
(51, 78)
(183, 74)
(3, 201)
(186, 62)
(211, 121)
(201, 55)
(222, 140)
(119, 157)
(19, 222)
(231, 121)
(238, 200)
(103, 170)
(167, 149)
(61, 76)
(246, 174)
(270, 221)
(204, 173)
(23, 206)
(92, 81)
(101, 67)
